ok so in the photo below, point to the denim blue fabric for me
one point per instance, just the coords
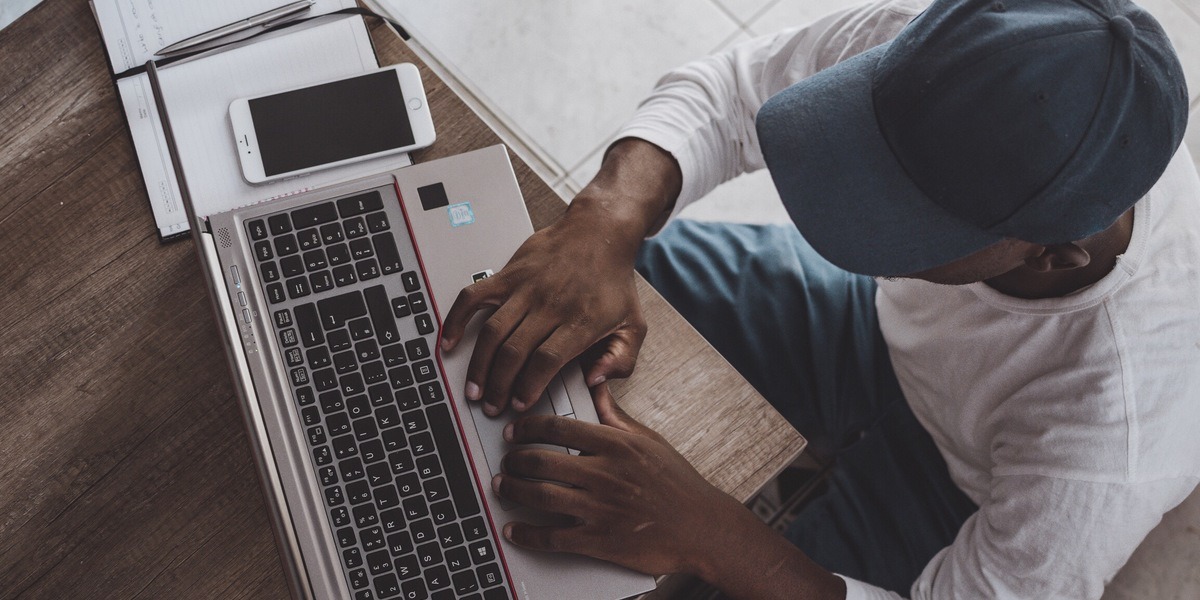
(805, 334)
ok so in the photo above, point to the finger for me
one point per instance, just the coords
(561, 431)
(545, 362)
(481, 294)
(545, 538)
(511, 357)
(616, 357)
(540, 495)
(614, 416)
(495, 331)
(537, 463)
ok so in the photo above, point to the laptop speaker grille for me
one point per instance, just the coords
(223, 237)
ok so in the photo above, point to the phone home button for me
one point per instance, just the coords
(414, 103)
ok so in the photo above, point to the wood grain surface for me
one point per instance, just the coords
(124, 468)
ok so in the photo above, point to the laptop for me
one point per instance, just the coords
(376, 468)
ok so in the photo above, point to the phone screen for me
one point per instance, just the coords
(327, 123)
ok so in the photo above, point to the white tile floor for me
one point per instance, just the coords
(564, 76)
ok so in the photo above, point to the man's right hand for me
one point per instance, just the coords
(570, 287)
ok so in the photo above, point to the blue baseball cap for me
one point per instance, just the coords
(1040, 120)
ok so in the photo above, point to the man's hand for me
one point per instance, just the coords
(638, 503)
(569, 288)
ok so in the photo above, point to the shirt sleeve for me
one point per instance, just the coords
(1043, 537)
(703, 112)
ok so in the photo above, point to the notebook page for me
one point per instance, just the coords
(198, 94)
(133, 30)
(150, 143)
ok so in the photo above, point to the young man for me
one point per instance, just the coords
(1009, 408)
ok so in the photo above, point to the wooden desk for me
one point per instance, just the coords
(124, 468)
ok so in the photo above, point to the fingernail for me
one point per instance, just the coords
(472, 391)
(446, 345)
(597, 380)
(508, 430)
(517, 404)
(508, 531)
(496, 484)
(491, 410)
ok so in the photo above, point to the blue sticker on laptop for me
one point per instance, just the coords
(460, 214)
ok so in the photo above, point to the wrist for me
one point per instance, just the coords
(636, 187)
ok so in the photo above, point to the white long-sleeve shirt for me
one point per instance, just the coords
(1073, 422)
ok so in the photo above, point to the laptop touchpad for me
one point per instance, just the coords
(491, 435)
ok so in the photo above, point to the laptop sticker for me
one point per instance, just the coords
(460, 214)
(433, 196)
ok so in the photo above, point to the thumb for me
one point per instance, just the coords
(614, 416)
(614, 357)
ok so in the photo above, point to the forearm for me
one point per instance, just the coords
(747, 560)
(632, 195)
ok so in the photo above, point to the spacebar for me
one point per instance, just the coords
(462, 486)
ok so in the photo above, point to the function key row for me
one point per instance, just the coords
(317, 214)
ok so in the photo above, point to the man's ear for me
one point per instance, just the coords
(1058, 257)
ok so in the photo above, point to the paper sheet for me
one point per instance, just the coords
(198, 93)
(134, 30)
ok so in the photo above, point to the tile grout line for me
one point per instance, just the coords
(758, 15)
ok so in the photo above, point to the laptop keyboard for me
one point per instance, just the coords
(349, 307)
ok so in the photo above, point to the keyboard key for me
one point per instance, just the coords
(374, 372)
(344, 447)
(379, 562)
(352, 384)
(339, 340)
(415, 508)
(318, 358)
(308, 239)
(407, 566)
(372, 539)
(288, 338)
(364, 595)
(414, 421)
(400, 307)
(465, 583)
(328, 476)
(320, 281)
(270, 271)
(421, 444)
(345, 537)
(394, 522)
(387, 586)
(357, 205)
(364, 429)
(481, 552)
(387, 416)
(385, 251)
(414, 589)
(360, 249)
(283, 318)
(333, 496)
(286, 245)
(416, 301)
(408, 483)
(351, 469)
(331, 233)
(297, 287)
(340, 515)
(365, 515)
(386, 497)
(311, 216)
(310, 415)
(379, 395)
(393, 355)
(411, 282)
(358, 492)
(458, 558)
(294, 357)
(358, 579)
(324, 380)
(279, 224)
(366, 269)
(442, 512)
(358, 407)
(316, 435)
(344, 275)
(407, 399)
(305, 396)
(314, 260)
(377, 222)
(489, 575)
(393, 439)
(345, 362)
(360, 329)
(417, 348)
(400, 377)
(309, 324)
(431, 392)
(299, 376)
(337, 424)
(474, 529)
(399, 543)
(372, 451)
(336, 311)
(428, 466)
(292, 266)
(262, 251)
(424, 371)
(424, 324)
(352, 557)
(257, 229)
(381, 315)
(459, 478)
(275, 293)
(437, 577)
(367, 350)
(338, 254)
(355, 228)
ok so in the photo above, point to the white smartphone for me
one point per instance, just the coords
(330, 124)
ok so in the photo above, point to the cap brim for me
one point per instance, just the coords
(842, 185)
